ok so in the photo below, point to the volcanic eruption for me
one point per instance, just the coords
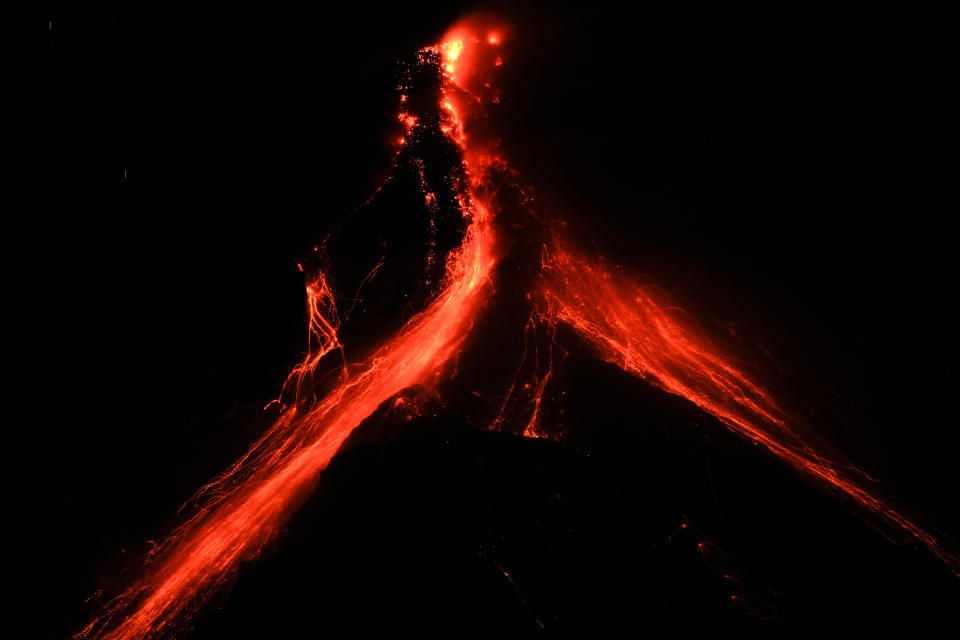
(471, 262)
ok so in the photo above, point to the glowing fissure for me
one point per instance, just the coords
(244, 508)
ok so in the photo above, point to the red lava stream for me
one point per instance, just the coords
(625, 323)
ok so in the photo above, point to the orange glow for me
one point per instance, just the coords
(452, 49)
(466, 56)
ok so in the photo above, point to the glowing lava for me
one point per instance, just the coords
(632, 329)
(246, 506)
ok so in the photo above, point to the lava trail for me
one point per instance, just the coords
(632, 329)
(246, 506)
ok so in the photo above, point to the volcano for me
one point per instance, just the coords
(496, 428)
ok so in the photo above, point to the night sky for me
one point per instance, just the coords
(786, 174)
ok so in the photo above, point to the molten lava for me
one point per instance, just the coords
(251, 500)
(632, 329)
(246, 506)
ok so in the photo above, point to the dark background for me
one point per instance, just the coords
(787, 174)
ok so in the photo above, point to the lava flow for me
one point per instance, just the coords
(632, 329)
(252, 499)
(246, 506)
